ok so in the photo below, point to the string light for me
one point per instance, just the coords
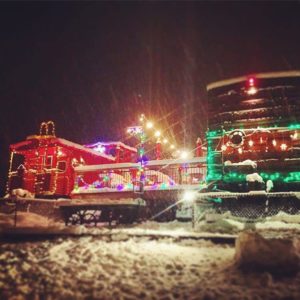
(149, 125)
(157, 133)
(224, 147)
(9, 171)
(283, 147)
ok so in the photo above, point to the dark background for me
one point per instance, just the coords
(93, 67)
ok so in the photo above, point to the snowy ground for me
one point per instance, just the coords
(138, 268)
(144, 262)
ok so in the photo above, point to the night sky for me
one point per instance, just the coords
(93, 67)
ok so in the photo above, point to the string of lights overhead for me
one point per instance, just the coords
(148, 128)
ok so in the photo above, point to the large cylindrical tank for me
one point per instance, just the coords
(254, 132)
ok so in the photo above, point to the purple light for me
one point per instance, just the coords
(120, 187)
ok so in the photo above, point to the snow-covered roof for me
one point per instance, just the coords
(118, 144)
(106, 166)
(83, 148)
(295, 73)
(176, 161)
(164, 162)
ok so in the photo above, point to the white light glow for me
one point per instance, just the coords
(165, 141)
(294, 136)
(157, 133)
(189, 196)
(252, 90)
(149, 125)
(283, 147)
(224, 147)
(184, 154)
(251, 143)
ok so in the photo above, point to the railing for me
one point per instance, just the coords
(152, 175)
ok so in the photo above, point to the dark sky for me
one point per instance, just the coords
(93, 67)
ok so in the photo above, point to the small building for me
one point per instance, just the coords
(44, 164)
(121, 152)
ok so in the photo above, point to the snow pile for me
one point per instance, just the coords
(26, 219)
(278, 256)
(280, 221)
(254, 177)
(135, 268)
(247, 162)
(20, 193)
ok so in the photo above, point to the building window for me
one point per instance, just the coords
(61, 166)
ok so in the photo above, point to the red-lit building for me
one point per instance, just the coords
(44, 164)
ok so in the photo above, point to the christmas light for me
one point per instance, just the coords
(184, 154)
(274, 143)
(142, 118)
(250, 143)
(294, 136)
(100, 149)
(157, 133)
(224, 147)
(149, 125)
(165, 141)
(252, 91)
(283, 147)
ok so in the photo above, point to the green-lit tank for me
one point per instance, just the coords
(253, 133)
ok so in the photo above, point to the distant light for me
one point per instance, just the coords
(157, 133)
(224, 147)
(251, 81)
(172, 147)
(59, 153)
(165, 141)
(100, 149)
(274, 143)
(189, 196)
(250, 143)
(240, 150)
(184, 154)
(142, 117)
(149, 124)
(294, 136)
(252, 90)
(283, 147)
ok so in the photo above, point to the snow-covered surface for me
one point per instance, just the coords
(254, 177)
(222, 83)
(148, 261)
(85, 149)
(117, 144)
(278, 256)
(27, 219)
(90, 168)
(95, 267)
(247, 162)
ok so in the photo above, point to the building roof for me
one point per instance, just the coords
(281, 74)
(31, 140)
(120, 144)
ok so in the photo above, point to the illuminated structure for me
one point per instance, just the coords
(254, 132)
(44, 164)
